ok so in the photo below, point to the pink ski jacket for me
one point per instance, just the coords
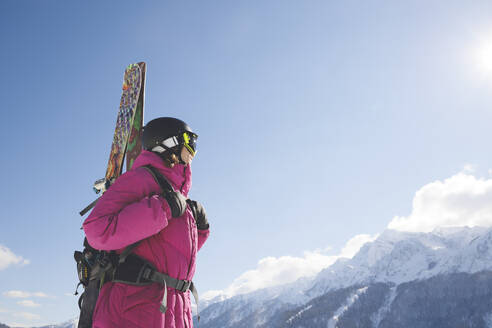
(132, 210)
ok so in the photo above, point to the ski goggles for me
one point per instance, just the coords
(187, 139)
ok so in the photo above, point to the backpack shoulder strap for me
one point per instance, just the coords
(165, 186)
(159, 178)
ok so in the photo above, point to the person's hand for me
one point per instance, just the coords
(199, 214)
(176, 201)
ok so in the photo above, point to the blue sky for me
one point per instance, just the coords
(318, 121)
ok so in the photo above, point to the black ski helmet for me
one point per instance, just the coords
(161, 129)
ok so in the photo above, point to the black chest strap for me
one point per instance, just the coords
(139, 272)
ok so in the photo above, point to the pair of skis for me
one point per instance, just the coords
(127, 135)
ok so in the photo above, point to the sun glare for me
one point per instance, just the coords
(483, 57)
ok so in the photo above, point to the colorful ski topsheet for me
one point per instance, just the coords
(128, 104)
(131, 109)
(134, 146)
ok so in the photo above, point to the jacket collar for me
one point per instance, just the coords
(179, 176)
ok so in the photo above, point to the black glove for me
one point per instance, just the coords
(199, 214)
(176, 201)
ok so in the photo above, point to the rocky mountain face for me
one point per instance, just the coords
(455, 300)
(438, 279)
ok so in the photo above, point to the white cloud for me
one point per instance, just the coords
(461, 200)
(16, 294)
(22, 294)
(272, 271)
(7, 258)
(28, 303)
(27, 316)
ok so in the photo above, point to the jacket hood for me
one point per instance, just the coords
(179, 176)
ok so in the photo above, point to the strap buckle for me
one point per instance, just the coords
(145, 273)
(183, 285)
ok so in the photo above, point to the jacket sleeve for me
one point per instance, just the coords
(202, 237)
(129, 211)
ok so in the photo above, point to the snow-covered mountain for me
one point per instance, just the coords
(398, 257)
(379, 272)
(68, 324)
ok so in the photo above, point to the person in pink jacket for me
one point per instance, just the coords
(170, 232)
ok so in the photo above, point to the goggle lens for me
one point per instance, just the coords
(190, 142)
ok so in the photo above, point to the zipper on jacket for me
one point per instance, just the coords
(192, 246)
(189, 265)
(190, 223)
